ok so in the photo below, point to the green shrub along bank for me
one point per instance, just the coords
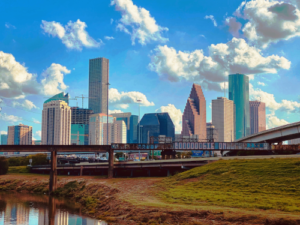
(3, 165)
(18, 169)
(260, 184)
(38, 159)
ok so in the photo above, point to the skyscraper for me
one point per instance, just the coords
(257, 116)
(61, 96)
(80, 125)
(194, 115)
(239, 94)
(98, 85)
(155, 124)
(19, 135)
(3, 139)
(117, 132)
(56, 123)
(223, 118)
(131, 122)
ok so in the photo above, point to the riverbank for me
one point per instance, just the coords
(178, 199)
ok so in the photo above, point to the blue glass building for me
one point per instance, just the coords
(239, 94)
(80, 134)
(155, 124)
(3, 139)
(131, 122)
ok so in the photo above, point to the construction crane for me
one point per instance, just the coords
(82, 97)
(85, 135)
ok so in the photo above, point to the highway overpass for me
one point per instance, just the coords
(275, 135)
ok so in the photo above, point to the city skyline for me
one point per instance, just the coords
(133, 74)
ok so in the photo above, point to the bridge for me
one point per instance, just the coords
(275, 135)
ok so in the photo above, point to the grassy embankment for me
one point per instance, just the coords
(261, 184)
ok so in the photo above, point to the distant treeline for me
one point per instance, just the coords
(38, 159)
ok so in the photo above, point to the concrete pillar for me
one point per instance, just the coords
(53, 172)
(168, 173)
(81, 170)
(149, 173)
(111, 164)
(131, 172)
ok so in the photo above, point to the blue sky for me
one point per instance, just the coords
(157, 49)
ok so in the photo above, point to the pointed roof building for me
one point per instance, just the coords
(194, 115)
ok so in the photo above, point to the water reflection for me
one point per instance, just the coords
(20, 209)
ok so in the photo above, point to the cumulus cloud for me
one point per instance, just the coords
(25, 104)
(211, 17)
(274, 121)
(3, 132)
(269, 21)
(8, 25)
(16, 82)
(109, 38)
(73, 35)
(261, 83)
(175, 114)
(36, 121)
(138, 23)
(10, 118)
(233, 25)
(38, 133)
(53, 81)
(236, 56)
(123, 99)
(115, 111)
(270, 101)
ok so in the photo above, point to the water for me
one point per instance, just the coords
(23, 209)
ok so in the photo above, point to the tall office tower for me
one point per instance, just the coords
(211, 132)
(19, 135)
(61, 96)
(194, 115)
(117, 132)
(239, 94)
(257, 116)
(131, 122)
(155, 124)
(80, 125)
(56, 123)
(98, 85)
(223, 118)
(3, 139)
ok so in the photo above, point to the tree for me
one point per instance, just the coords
(3, 165)
(39, 159)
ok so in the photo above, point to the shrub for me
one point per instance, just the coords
(3, 165)
(39, 159)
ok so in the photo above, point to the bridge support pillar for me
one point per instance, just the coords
(81, 170)
(168, 173)
(52, 210)
(53, 172)
(149, 173)
(111, 164)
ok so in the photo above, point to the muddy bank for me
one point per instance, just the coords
(100, 199)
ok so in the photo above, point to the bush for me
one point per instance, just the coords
(39, 159)
(18, 161)
(3, 165)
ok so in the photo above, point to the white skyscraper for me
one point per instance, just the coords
(117, 130)
(56, 123)
(223, 118)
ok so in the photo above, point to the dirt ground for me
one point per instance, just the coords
(133, 201)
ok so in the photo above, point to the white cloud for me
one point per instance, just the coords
(175, 114)
(73, 35)
(109, 38)
(233, 25)
(25, 104)
(137, 19)
(111, 21)
(115, 111)
(53, 81)
(36, 121)
(274, 121)
(123, 99)
(269, 21)
(270, 101)
(38, 133)
(261, 83)
(8, 25)
(16, 82)
(211, 17)
(10, 118)
(3, 132)
(236, 56)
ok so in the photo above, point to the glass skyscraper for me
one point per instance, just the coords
(239, 94)
(131, 122)
(155, 124)
(98, 85)
(3, 139)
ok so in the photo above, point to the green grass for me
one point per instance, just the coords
(18, 169)
(261, 184)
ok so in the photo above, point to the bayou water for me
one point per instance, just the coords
(25, 209)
